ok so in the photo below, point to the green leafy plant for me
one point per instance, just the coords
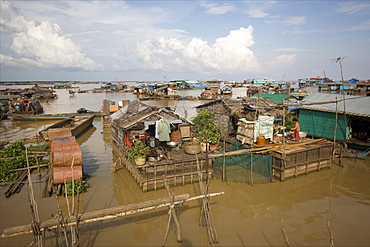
(79, 187)
(205, 128)
(14, 157)
(289, 124)
(137, 150)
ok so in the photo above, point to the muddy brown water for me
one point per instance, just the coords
(244, 216)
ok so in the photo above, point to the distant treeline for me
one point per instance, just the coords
(46, 82)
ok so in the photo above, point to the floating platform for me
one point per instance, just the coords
(179, 168)
(297, 160)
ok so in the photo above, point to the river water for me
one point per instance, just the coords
(244, 216)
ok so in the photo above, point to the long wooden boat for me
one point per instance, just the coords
(3, 115)
(43, 117)
(76, 124)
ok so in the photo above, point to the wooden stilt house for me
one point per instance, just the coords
(166, 158)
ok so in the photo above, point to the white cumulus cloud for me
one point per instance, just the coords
(228, 54)
(257, 13)
(259, 9)
(354, 7)
(292, 20)
(41, 45)
(216, 9)
(291, 49)
(282, 61)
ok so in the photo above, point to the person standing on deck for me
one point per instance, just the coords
(296, 129)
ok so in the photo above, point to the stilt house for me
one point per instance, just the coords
(137, 123)
(345, 118)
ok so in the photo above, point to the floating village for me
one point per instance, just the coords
(278, 131)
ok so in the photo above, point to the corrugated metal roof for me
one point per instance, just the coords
(275, 98)
(348, 104)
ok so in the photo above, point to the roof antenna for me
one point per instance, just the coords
(339, 60)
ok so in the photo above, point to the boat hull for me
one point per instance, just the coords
(46, 117)
(76, 124)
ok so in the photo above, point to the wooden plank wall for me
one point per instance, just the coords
(301, 160)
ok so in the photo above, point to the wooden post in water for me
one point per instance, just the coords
(38, 239)
(99, 215)
(172, 214)
(331, 236)
(336, 125)
(282, 228)
(224, 162)
(206, 215)
(104, 214)
(282, 174)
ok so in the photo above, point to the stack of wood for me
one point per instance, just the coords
(66, 157)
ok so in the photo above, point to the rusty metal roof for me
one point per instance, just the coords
(347, 104)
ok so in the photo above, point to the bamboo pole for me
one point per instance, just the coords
(16, 185)
(331, 236)
(224, 163)
(284, 142)
(206, 214)
(60, 227)
(25, 168)
(291, 145)
(34, 210)
(30, 152)
(282, 228)
(105, 214)
(168, 228)
(172, 214)
(336, 126)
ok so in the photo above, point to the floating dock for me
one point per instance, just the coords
(178, 168)
(301, 159)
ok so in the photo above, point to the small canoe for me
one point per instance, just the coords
(356, 155)
(45, 117)
(76, 125)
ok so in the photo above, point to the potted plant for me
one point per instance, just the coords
(138, 152)
(206, 130)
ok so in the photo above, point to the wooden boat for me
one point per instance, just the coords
(226, 90)
(3, 115)
(76, 125)
(98, 90)
(45, 117)
(356, 155)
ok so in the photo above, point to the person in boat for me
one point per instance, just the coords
(22, 106)
(296, 129)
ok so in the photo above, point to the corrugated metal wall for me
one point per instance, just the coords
(322, 124)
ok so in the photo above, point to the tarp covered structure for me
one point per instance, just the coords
(248, 168)
(264, 126)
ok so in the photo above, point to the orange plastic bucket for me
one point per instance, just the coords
(261, 140)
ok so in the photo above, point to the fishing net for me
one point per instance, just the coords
(248, 168)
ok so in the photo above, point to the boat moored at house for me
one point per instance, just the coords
(76, 124)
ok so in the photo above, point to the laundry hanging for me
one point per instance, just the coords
(163, 130)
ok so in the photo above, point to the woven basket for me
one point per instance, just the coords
(191, 148)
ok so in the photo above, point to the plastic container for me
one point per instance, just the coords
(261, 140)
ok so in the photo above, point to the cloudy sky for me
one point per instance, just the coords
(194, 40)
